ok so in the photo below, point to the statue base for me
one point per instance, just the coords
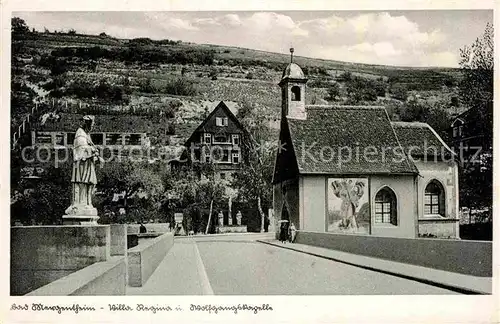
(80, 220)
(80, 215)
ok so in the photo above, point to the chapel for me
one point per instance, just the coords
(351, 170)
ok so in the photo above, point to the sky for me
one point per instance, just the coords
(399, 38)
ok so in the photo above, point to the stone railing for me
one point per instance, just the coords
(466, 257)
(99, 279)
(68, 260)
(145, 258)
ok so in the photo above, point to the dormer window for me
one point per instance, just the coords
(295, 93)
(221, 121)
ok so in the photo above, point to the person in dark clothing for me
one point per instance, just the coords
(142, 228)
(284, 232)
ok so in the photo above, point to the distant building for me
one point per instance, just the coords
(118, 135)
(348, 169)
(217, 141)
(109, 130)
(469, 129)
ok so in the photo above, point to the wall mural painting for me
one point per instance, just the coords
(348, 205)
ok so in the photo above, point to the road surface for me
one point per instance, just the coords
(238, 265)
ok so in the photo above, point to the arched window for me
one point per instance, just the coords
(295, 93)
(386, 207)
(434, 199)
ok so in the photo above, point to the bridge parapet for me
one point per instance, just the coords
(145, 258)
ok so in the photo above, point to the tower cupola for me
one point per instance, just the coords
(293, 91)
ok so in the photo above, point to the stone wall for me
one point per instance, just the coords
(118, 239)
(466, 257)
(145, 258)
(233, 229)
(440, 228)
(106, 278)
(42, 254)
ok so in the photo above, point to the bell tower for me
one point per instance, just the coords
(293, 91)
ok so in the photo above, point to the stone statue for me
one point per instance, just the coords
(83, 177)
(221, 218)
(229, 212)
(238, 218)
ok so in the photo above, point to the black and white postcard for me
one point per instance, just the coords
(281, 163)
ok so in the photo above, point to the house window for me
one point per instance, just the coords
(132, 139)
(295, 93)
(434, 199)
(114, 139)
(208, 138)
(236, 139)
(220, 139)
(455, 131)
(460, 130)
(59, 139)
(385, 207)
(221, 121)
(44, 138)
(97, 139)
(236, 158)
(70, 138)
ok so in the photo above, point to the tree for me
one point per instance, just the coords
(19, 26)
(334, 91)
(254, 180)
(435, 115)
(476, 63)
(399, 91)
(476, 92)
(141, 184)
(196, 196)
(45, 200)
(359, 89)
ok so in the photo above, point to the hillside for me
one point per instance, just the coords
(137, 75)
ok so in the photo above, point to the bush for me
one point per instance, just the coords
(359, 89)
(249, 76)
(140, 50)
(180, 86)
(399, 91)
(213, 74)
(334, 91)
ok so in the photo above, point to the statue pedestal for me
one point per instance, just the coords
(80, 215)
(80, 220)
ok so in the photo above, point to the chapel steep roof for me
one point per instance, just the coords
(347, 140)
(420, 139)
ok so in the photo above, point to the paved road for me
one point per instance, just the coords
(238, 265)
